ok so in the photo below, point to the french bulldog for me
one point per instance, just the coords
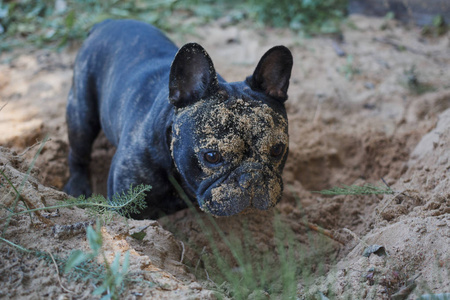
(168, 113)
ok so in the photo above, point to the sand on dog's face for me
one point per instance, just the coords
(244, 133)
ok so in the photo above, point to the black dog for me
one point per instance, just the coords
(169, 114)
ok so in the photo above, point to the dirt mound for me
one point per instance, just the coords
(155, 260)
(413, 226)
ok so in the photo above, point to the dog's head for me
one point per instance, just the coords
(230, 140)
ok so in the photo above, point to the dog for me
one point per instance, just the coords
(169, 114)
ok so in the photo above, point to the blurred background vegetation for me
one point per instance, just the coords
(56, 23)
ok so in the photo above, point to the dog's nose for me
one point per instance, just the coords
(248, 179)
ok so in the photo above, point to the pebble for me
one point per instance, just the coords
(195, 286)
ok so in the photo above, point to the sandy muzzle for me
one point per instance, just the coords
(250, 185)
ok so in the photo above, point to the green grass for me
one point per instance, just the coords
(252, 272)
(308, 16)
(41, 23)
(32, 24)
(248, 272)
(113, 278)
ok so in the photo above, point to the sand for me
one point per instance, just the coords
(352, 120)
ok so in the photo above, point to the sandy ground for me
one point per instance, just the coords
(380, 111)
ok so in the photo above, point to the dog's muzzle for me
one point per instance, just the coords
(248, 186)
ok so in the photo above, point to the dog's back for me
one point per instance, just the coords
(121, 75)
(119, 63)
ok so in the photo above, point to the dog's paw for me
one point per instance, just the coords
(78, 185)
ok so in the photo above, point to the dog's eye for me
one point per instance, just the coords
(277, 150)
(213, 157)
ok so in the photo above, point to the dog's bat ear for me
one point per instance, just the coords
(272, 73)
(192, 76)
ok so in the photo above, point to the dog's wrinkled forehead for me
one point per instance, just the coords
(233, 125)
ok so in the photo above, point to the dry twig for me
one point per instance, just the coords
(355, 236)
(59, 277)
(31, 147)
(182, 252)
(325, 232)
(30, 206)
(400, 47)
(200, 258)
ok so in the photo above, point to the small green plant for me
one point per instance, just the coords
(366, 189)
(112, 281)
(413, 83)
(390, 15)
(437, 28)
(130, 202)
(349, 69)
